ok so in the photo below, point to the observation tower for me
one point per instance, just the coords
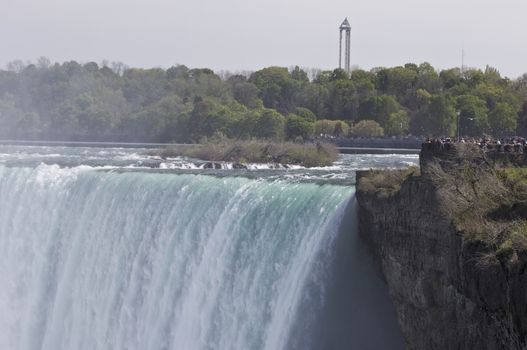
(346, 28)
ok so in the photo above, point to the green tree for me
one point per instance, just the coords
(364, 84)
(428, 78)
(397, 81)
(338, 74)
(209, 117)
(178, 72)
(306, 114)
(323, 77)
(473, 77)
(451, 78)
(503, 119)
(277, 88)
(247, 94)
(14, 122)
(61, 101)
(313, 97)
(327, 127)
(423, 97)
(164, 121)
(522, 119)
(367, 128)
(342, 101)
(245, 126)
(489, 93)
(324, 127)
(437, 117)
(473, 115)
(270, 125)
(341, 128)
(398, 124)
(297, 126)
(299, 75)
(379, 108)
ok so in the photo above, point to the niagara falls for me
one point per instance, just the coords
(109, 249)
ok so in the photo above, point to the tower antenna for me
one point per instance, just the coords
(462, 61)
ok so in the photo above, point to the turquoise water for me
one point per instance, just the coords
(105, 259)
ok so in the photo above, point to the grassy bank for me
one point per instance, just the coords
(385, 183)
(308, 155)
(485, 203)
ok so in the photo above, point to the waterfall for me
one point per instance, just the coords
(93, 259)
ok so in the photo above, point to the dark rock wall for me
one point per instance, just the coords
(445, 293)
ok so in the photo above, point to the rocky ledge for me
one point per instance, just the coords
(450, 240)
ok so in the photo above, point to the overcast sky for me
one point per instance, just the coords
(251, 34)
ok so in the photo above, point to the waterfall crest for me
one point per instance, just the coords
(106, 260)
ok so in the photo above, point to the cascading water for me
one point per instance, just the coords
(138, 260)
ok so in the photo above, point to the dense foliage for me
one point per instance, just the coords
(72, 101)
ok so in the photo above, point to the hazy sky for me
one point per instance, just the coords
(251, 34)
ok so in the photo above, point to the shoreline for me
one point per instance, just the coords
(107, 144)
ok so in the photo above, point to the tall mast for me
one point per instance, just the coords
(462, 61)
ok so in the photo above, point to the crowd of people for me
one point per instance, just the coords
(510, 144)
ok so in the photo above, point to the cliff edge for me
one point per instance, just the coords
(450, 239)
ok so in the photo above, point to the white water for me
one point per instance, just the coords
(102, 260)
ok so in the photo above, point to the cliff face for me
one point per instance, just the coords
(451, 289)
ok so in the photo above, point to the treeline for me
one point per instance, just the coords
(72, 101)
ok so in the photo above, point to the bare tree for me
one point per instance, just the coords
(16, 66)
(119, 68)
(43, 62)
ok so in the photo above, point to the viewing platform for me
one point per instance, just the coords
(479, 154)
